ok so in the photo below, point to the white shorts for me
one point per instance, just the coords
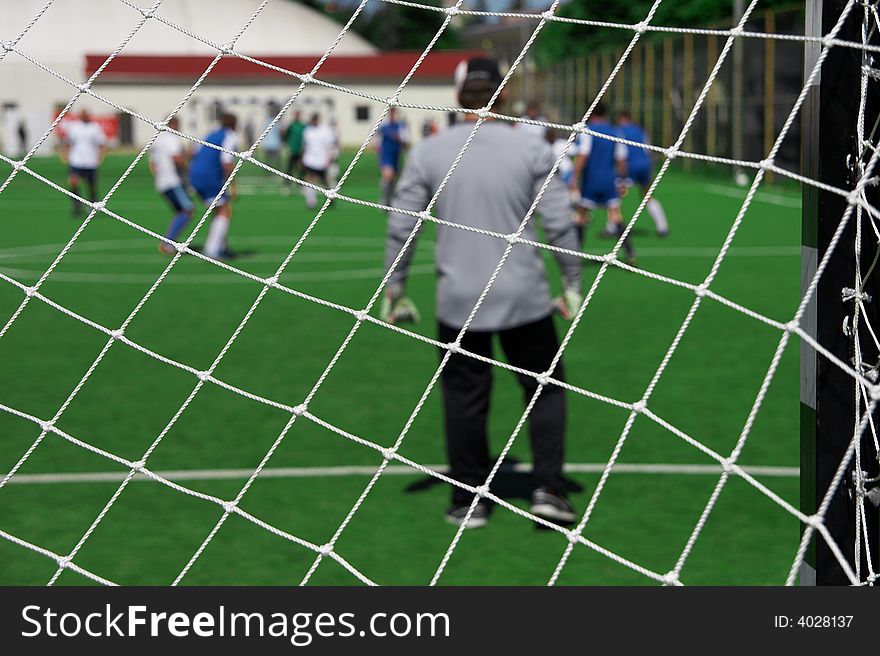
(590, 204)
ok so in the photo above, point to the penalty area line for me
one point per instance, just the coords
(391, 470)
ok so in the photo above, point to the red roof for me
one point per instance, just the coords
(437, 67)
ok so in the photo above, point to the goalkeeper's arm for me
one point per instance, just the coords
(411, 193)
(555, 211)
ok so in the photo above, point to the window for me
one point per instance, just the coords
(362, 113)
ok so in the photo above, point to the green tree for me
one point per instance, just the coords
(397, 27)
(393, 27)
(562, 40)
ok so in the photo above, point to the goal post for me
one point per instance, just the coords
(839, 126)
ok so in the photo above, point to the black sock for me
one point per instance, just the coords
(77, 206)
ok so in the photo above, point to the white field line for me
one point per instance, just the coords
(761, 196)
(207, 278)
(139, 243)
(370, 470)
(29, 254)
(150, 256)
(258, 188)
(146, 255)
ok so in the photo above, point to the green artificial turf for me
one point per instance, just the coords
(398, 535)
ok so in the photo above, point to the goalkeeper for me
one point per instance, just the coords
(492, 188)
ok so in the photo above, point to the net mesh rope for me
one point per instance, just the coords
(866, 389)
(862, 331)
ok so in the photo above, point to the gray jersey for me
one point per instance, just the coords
(492, 188)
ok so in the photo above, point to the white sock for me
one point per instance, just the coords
(655, 209)
(216, 241)
(332, 175)
(311, 196)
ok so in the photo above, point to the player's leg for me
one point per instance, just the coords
(91, 176)
(273, 158)
(655, 209)
(183, 210)
(610, 199)
(533, 347)
(73, 182)
(215, 244)
(292, 169)
(615, 219)
(331, 176)
(311, 194)
(466, 384)
(582, 217)
(388, 180)
(642, 178)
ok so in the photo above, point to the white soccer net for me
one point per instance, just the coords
(863, 374)
(861, 331)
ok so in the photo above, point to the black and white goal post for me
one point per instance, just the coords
(840, 386)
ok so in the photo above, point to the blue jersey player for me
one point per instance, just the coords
(639, 167)
(393, 140)
(599, 168)
(209, 169)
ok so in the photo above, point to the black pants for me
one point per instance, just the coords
(293, 167)
(90, 177)
(467, 384)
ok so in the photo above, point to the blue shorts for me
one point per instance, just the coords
(89, 175)
(641, 175)
(392, 162)
(208, 192)
(179, 199)
(600, 197)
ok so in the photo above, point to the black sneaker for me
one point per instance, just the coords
(456, 514)
(552, 506)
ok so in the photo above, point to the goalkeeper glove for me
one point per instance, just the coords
(398, 309)
(569, 303)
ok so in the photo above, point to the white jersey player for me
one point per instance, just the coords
(168, 157)
(83, 150)
(533, 113)
(319, 147)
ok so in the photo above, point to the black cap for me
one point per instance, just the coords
(479, 74)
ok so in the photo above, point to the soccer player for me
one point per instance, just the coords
(271, 143)
(167, 162)
(83, 150)
(599, 170)
(207, 174)
(492, 188)
(639, 168)
(429, 127)
(319, 144)
(294, 139)
(393, 140)
(335, 154)
(559, 147)
(22, 138)
(533, 113)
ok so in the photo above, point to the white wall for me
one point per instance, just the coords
(70, 29)
(36, 94)
(249, 103)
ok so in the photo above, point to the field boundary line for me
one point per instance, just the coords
(781, 200)
(397, 470)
